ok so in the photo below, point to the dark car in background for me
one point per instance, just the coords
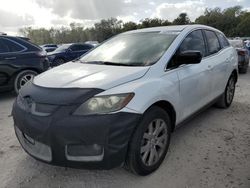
(243, 56)
(20, 61)
(68, 52)
(49, 47)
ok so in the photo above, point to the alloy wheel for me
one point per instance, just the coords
(154, 142)
(26, 78)
(230, 91)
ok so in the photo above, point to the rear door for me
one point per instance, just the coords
(10, 54)
(218, 57)
(195, 84)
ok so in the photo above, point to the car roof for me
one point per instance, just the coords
(176, 28)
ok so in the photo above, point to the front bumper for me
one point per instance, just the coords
(47, 138)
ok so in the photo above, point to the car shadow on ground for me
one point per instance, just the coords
(7, 96)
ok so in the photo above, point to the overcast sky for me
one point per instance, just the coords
(15, 14)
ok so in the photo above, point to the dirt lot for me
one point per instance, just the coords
(212, 150)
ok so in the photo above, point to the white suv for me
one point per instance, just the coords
(119, 103)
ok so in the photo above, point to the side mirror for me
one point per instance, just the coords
(188, 57)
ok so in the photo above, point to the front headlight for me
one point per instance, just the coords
(104, 104)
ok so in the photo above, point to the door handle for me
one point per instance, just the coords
(10, 58)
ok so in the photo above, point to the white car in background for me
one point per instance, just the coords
(120, 102)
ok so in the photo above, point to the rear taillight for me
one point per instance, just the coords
(42, 53)
(243, 53)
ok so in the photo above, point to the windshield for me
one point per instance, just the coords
(138, 49)
(62, 48)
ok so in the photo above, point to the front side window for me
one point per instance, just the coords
(212, 42)
(193, 42)
(135, 49)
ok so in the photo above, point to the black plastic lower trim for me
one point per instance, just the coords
(111, 131)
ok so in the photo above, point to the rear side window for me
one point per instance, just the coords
(10, 46)
(194, 41)
(212, 42)
(223, 40)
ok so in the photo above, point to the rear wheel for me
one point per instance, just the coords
(150, 142)
(243, 70)
(227, 97)
(22, 78)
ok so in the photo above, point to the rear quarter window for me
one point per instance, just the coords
(12, 46)
(223, 40)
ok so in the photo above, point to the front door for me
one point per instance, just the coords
(195, 79)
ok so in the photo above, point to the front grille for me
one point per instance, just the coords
(39, 109)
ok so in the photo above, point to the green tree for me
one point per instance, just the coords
(243, 27)
(182, 19)
(129, 26)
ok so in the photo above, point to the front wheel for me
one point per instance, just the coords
(22, 78)
(227, 97)
(150, 142)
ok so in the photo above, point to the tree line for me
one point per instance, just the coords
(233, 21)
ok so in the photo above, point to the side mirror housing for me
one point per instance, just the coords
(188, 57)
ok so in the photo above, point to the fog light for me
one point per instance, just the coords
(29, 139)
(86, 153)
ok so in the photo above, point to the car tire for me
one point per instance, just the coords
(22, 78)
(243, 70)
(226, 98)
(58, 61)
(149, 143)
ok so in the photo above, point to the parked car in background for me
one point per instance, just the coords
(49, 47)
(68, 52)
(247, 44)
(119, 103)
(95, 43)
(20, 61)
(243, 55)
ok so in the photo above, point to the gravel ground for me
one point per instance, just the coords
(212, 150)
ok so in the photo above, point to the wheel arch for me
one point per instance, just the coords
(169, 108)
(235, 74)
(13, 77)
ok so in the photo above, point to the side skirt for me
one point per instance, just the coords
(186, 120)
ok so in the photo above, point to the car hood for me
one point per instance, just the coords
(79, 75)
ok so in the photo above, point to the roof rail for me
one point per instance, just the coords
(1, 33)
